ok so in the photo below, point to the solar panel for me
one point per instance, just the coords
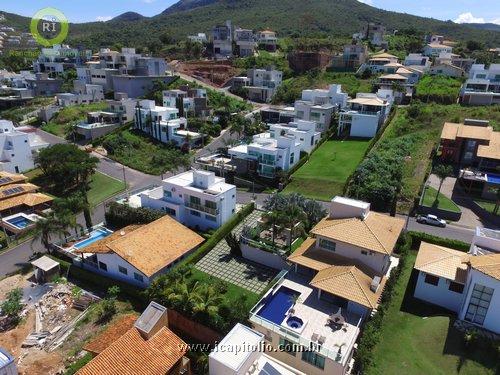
(14, 190)
(4, 180)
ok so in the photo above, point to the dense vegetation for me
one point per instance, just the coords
(438, 89)
(16, 113)
(263, 60)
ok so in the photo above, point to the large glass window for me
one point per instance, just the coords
(314, 359)
(195, 200)
(287, 346)
(326, 244)
(431, 279)
(478, 304)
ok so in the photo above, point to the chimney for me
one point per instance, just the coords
(375, 284)
(152, 320)
(343, 208)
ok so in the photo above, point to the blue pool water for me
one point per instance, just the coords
(493, 178)
(96, 235)
(277, 305)
(20, 222)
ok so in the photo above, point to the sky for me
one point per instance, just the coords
(478, 11)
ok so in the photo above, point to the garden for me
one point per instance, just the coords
(431, 198)
(328, 169)
(438, 89)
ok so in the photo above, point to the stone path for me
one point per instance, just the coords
(249, 275)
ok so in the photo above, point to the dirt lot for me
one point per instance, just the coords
(216, 73)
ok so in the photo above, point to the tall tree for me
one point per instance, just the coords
(46, 227)
(292, 216)
(441, 171)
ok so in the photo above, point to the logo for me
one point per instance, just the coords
(49, 26)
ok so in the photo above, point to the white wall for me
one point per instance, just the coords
(438, 294)
(364, 126)
(263, 257)
(112, 262)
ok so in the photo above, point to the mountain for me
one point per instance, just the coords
(187, 5)
(128, 16)
(484, 26)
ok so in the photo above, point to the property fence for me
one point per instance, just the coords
(192, 329)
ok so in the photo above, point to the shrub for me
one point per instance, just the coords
(418, 237)
(234, 244)
(120, 215)
(12, 306)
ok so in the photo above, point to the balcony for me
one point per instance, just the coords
(201, 208)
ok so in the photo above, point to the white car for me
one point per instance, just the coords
(431, 220)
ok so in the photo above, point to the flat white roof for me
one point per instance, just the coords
(236, 346)
(350, 202)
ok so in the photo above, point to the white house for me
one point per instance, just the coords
(222, 38)
(435, 49)
(83, 93)
(18, 147)
(485, 241)
(194, 198)
(483, 85)
(245, 42)
(260, 83)
(320, 114)
(377, 62)
(364, 115)
(464, 63)
(267, 40)
(164, 124)
(187, 99)
(418, 61)
(465, 283)
(199, 38)
(303, 131)
(447, 70)
(137, 254)
(242, 352)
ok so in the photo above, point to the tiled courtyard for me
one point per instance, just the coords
(249, 275)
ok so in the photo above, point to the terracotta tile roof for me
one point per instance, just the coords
(488, 264)
(442, 262)
(153, 246)
(404, 71)
(349, 282)
(131, 354)
(101, 246)
(376, 232)
(111, 334)
(452, 131)
(394, 76)
(368, 101)
(6, 190)
(30, 200)
(11, 178)
(384, 55)
(491, 151)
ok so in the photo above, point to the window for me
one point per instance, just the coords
(287, 346)
(103, 266)
(138, 277)
(195, 200)
(210, 218)
(364, 252)
(292, 156)
(167, 194)
(456, 287)
(328, 245)
(431, 279)
(122, 270)
(314, 359)
(195, 213)
(478, 304)
(210, 204)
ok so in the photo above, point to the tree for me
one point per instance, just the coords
(274, 220)
(234, 244)
(292, 215)
(45, 227)
(12, 305)
(206, 300)
(441, 171)
(107, 307)
(497, 202)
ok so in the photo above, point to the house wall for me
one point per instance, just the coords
(376, 261)
(17, 155)
(112, 262)
(263, 257)
(438, 294)
(137, 86)
(96, 132)
(491, 321)
(364, 126)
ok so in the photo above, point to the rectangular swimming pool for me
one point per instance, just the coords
(95, 235)
(20, 222)
(493, 178)
(277, 304)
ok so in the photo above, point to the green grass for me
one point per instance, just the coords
(328, 169)
(486, 205)
(138, 151)
(417, 338)
(438, 89)
(102, 187)
(16, 113)
(443, 202)
(62, 122)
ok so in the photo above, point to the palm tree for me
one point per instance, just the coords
(292, 215)
(497, 203)
(183, 295)
(314, 212)
(45, 227)
(441, 171)
(274, 219)
(206, 300)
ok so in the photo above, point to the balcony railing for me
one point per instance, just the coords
(199, 207)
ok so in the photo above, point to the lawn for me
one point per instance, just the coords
(16, 113)
(138, 151)
(62, 122)
(443, 202)
(328, 169)
(102, 187)
(417, 338)
(487, 205)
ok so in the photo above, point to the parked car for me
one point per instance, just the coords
(431, 220)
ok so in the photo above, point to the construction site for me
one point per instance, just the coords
(217, 73)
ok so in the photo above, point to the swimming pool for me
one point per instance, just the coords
(20, 222)
(493, 178)
(95, 235)
(277, 305)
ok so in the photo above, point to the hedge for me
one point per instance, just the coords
(219, 235)
(418, 237)
(120, 215)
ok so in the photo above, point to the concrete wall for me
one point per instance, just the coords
(364, 126)
(438, 294)
(137, 86)
(93, 133)
(263, 257)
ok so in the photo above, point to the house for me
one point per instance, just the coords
(267, 40)
(164, 124)
(483, 85)
(100, 123)
(374, 33)
(485, 241)
(197, 199)
(198, 38)
(261, 84)
(187, 100)
(447, 69)
(42, 85)
(333, 95)
(18, 147)
(45, 269)
(354, 55)
(277, 115)
(417, 60)
(364, 115)
(59, 58)
(321, 114)
(455, 60)
(304, 131)
(222, 38)
(137, 254)
(315, 312)
(245, 42)
(132, 346)
(463, 283)
(251, 359)
(7, 363)
(377, 62)
(435, 49)
(83, 93)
